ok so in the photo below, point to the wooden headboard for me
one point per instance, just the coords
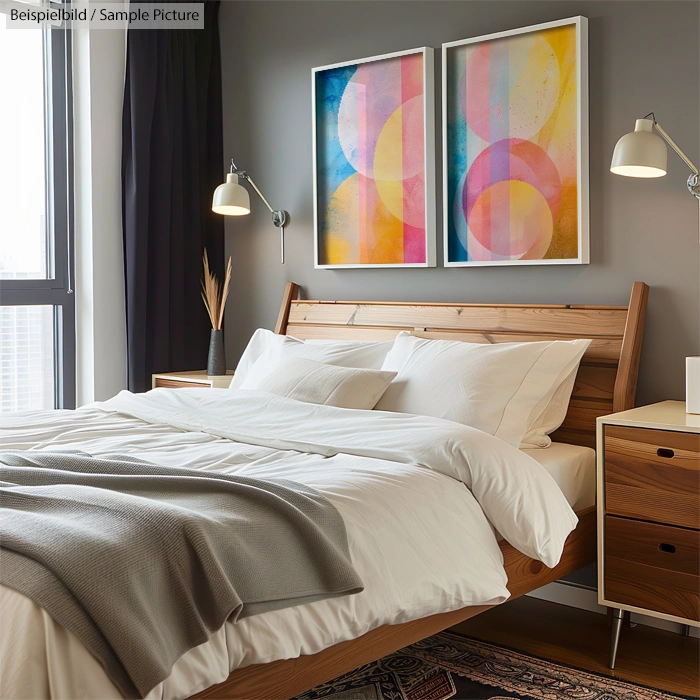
(606, 381)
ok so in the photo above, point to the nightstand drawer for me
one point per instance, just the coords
(652, 566)
(653, 475)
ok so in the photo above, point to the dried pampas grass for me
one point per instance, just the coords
(212, 293)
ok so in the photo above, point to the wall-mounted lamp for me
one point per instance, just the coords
(642, 153)
(232, 199)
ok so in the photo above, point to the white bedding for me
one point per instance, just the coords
(573, 468)
(418, 538)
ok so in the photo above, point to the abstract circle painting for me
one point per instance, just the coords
(515, 148)
(373, 169)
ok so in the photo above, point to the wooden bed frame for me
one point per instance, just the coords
(606, 383)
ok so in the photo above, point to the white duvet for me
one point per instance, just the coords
(420, 498)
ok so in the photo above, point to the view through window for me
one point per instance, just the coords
(23, 235)
(35, 304)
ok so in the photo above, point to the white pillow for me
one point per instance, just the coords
(502, 389)
(348, 353)
(555, 405)
(258, 343)
(330, 385)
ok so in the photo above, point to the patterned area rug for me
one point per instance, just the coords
(452, 666)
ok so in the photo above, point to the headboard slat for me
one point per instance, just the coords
(606, 379)
(482, 318)
(305, 331)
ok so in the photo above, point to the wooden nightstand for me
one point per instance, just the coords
(197, 378)
(649, 514)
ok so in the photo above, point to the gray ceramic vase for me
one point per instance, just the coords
(216, 364)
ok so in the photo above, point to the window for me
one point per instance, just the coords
(37, 309)
(26, 357)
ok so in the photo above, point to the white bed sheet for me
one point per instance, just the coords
(573, 468)
(380, 503)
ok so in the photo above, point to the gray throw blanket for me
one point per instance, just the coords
(143, 562)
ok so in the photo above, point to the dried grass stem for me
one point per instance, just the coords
(213, 294)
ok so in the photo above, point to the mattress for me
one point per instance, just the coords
(573, 468)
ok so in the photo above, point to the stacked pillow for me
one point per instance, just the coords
(506, 389)
(329, 385)
(518, 392)
(267, 350)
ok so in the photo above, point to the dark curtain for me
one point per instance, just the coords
(172, 160)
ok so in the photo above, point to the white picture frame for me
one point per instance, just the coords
(582, 149)
(429, 155)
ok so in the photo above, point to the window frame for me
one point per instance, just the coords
(57, 288)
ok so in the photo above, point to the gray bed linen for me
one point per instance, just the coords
(143, 562)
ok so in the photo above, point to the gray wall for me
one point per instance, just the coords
(643, 57)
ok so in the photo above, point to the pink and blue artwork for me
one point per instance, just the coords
(515, 148)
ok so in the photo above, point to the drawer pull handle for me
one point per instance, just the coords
(669, 548)
(665, 452)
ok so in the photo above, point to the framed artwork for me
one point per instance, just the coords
(515, 147)
(374, 161)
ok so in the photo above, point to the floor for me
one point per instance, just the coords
(646, 655)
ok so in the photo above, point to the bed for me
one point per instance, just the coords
(606, 382)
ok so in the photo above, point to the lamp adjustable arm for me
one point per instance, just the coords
(694, 178)
(279, 216)
(675, 147)
(245, 175)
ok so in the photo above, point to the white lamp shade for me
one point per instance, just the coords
(641, 153)
(231, 198)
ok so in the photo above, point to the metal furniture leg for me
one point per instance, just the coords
(618, 614)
